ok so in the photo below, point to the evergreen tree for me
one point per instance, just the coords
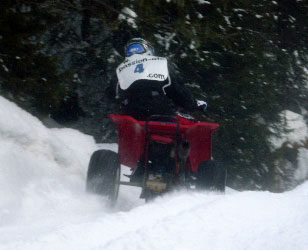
(27, 75)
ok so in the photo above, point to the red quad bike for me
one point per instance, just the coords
(163, 153)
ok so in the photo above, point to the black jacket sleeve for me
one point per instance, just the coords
(178, 93)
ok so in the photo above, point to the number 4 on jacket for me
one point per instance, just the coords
(139, 68)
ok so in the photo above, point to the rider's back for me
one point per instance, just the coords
(145, 86)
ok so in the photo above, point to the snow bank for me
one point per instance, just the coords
(36, 163)
(184, 220)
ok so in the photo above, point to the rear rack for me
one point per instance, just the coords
(162, 119)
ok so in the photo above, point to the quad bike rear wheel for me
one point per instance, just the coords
(103, 176)
(211, 176)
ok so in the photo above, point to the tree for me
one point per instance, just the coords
(27, 75)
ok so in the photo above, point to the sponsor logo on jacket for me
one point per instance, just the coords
(157, 76)
(138, 61)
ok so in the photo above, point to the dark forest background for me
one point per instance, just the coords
(247, 58)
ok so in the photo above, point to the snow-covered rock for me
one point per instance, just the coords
(294, 129)
(292, 138)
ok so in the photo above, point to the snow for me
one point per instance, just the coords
(239, 10)
(5, 68)
(295, 127)
(166, 40)
(203, 2)
(295, 133)
(129, 16)
(301, 172)
(43, 204)
(192, 45)
(227, 19)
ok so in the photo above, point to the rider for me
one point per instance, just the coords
(145, 85)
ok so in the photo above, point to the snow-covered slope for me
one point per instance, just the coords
(43, 204)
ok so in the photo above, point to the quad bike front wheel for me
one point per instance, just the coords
(211, 176)
(103, 176)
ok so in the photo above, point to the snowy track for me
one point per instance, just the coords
(43, 204)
